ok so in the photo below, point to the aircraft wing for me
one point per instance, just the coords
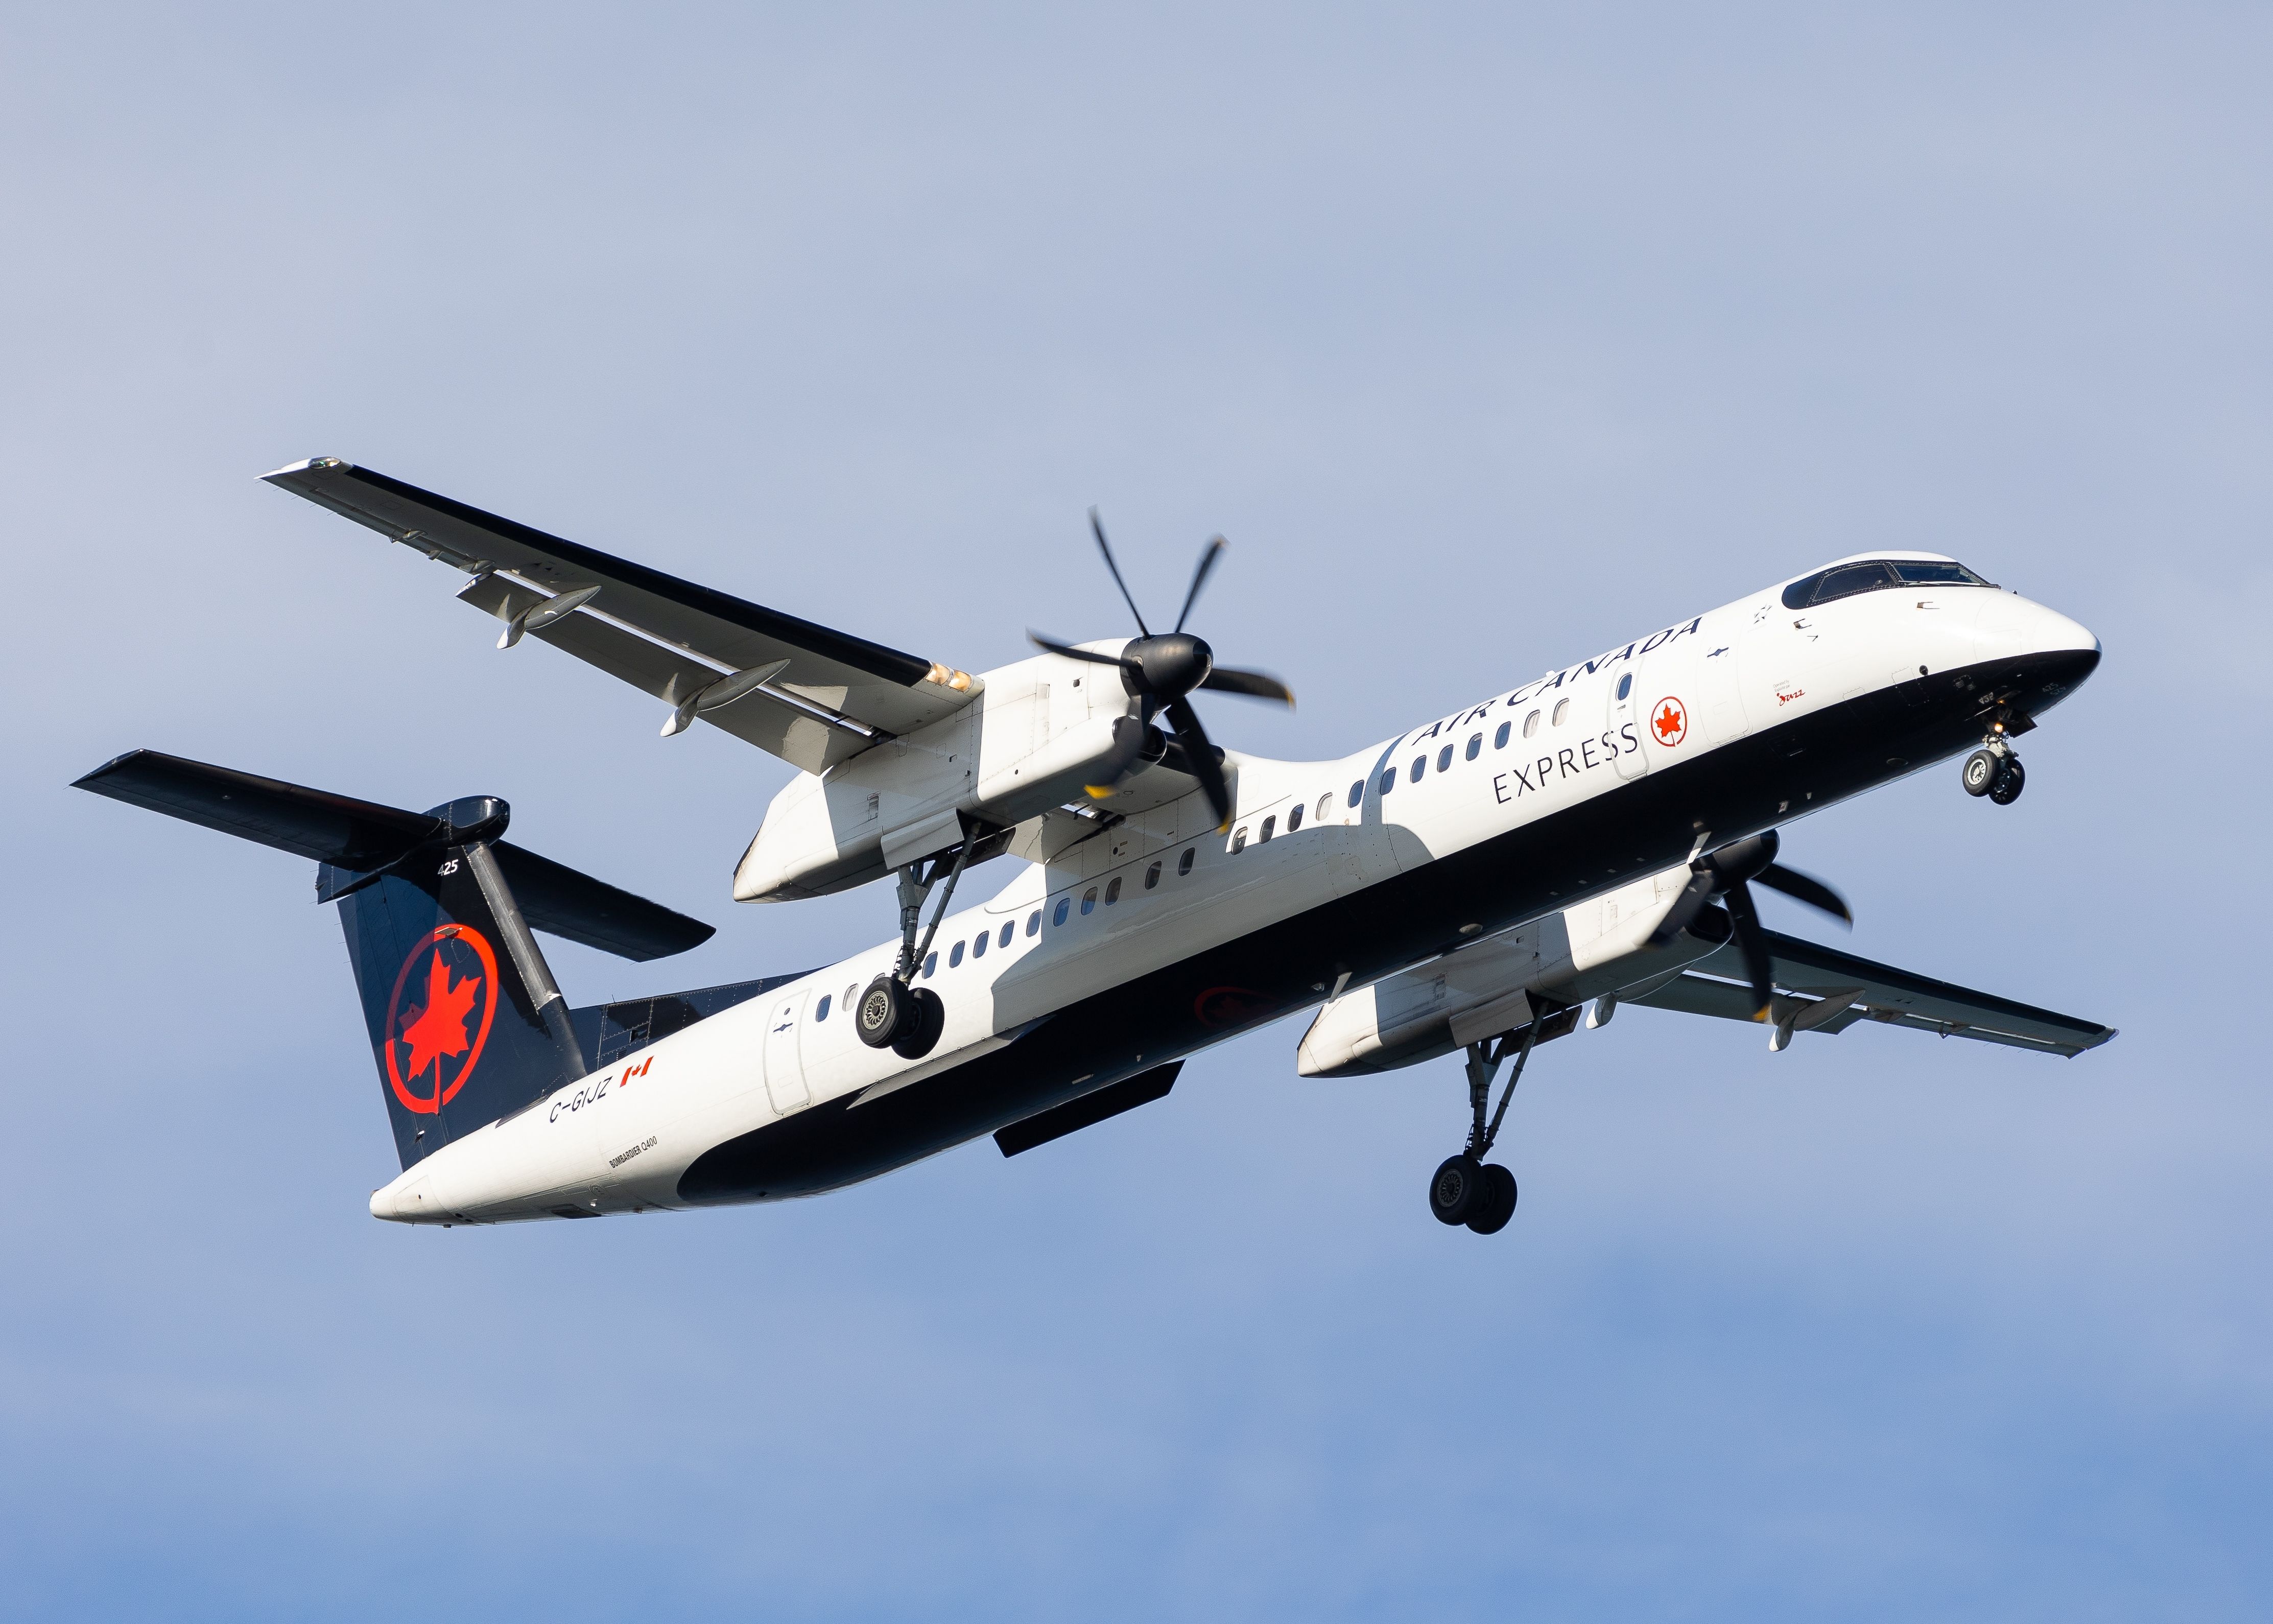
(809, 695)
(1820, 990)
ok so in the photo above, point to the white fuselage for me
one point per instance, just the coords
(1166, 884)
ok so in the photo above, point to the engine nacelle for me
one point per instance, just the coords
(1027, 743)
(1489, 987)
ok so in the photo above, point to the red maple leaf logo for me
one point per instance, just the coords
(439, 1029)
(1671, 721)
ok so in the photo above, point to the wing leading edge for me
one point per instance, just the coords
(1820, 989)
(805, 693)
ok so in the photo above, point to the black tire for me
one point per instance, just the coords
(1499, 1204)
(2007, 789)
(926, 1018)
(1979, 773)
(882, 1013)
(1456, 1188)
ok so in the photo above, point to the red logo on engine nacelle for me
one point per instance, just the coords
(456, 987)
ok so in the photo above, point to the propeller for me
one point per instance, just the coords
(1726, 874)
(1161, 669)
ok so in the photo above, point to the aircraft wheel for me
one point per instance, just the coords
(1980, 773)
(926, 1021)
(2007, 789)
(1498, 1203)
(883, 1013)
(1456, 1189)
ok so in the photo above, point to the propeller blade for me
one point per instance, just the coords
(1806, 888)
(1684, 911)
(1753, 942)
(1201, 754)
(1208, 556)
(1097, 526)
(1070, 652)
(1128, 749)
(1226, 680)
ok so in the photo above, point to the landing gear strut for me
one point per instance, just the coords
(893, 1012)
(1467, 1189)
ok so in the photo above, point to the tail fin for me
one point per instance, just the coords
(466, 1022)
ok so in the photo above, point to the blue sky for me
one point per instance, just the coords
(1490, 336)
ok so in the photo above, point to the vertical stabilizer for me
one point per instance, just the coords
(466, 1022)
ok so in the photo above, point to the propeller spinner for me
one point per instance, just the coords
(1161, 669)
(1726, 874)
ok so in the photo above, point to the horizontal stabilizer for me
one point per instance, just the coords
(358, 838)
(314, 823)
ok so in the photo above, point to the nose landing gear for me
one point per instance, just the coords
(1465, 1189)
(1994, 769)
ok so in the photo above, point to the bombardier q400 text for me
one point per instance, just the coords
(1587, 840)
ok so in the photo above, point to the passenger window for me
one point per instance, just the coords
(1059, 916)
(1009, 929)
(1184, 863)
(1476, 746)
(1089, 900)
(1420, 766)
(1445, 758)
(820, 1010)
(1562, 710)
(1113, 891)
(1151, 876)
(931, 962)
(979, 947)
(1239, 842)
(1270, 828)
(1294, 817)
(1531, 724)
(1499, 739)
(1388, 780)
(955, 956)
(1326, 801)
(1357, 792)
(1626, 684)
(1034, 923)
(851, 993)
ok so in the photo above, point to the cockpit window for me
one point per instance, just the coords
(1846, 579)
(1925, 572)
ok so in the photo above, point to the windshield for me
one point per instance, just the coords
(1846, 579)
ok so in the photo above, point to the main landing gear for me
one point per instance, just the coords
(893, 1012)
(1467, 1189)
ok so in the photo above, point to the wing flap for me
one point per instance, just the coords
(882, 688)
(1814, 978)
(798, 735)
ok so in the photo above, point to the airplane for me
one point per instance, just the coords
(1476, 885)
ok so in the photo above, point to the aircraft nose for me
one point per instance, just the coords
(2011, 625)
